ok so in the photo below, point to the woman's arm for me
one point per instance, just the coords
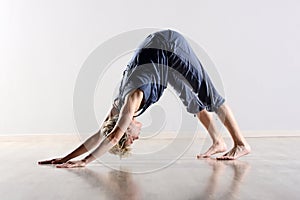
(87, 145)
(131, 105)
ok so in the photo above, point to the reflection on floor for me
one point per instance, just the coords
(271, 171)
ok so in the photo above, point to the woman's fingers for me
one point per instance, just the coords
(65, 165)
(44, 162)
(61, 164)
(58, 161)
(71, 164)
(52, 161)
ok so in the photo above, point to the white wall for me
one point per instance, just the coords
(254, 45)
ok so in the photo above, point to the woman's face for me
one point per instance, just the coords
(130, 139)
(133, 132)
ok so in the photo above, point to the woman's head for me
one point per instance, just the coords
(121, 148)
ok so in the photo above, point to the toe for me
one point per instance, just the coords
(222, 158)
(200, 156)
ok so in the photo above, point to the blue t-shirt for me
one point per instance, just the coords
(163, 58)
(147, 74)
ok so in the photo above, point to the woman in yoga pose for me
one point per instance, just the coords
(163, 58)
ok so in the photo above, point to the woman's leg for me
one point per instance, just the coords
(218, 145)
(241, 147)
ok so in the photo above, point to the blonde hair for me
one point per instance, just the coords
(119, 149)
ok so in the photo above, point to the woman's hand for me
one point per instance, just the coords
(53, 161)
(73, 164)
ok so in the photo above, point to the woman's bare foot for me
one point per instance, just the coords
(236, 152)
(218, 147)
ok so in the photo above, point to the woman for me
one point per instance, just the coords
(163, 58)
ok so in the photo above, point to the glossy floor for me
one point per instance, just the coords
(271, 171)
